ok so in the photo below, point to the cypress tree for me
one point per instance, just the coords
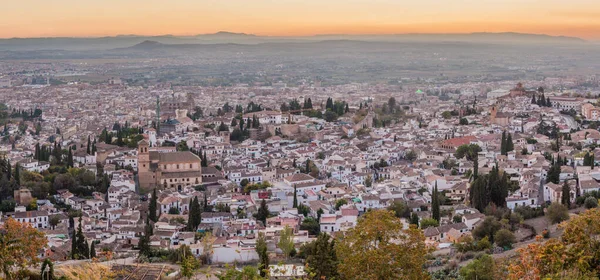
(70, 158)
(566, 195)
(329, 104)
(510, 146)
(89, 146)
(263, 212)
(93, 251)
(82, 248)
(144, 244)
(8, 170)
(152, 207)
(74, 252)
(414, 219)
(18, 174)
(503, 143)
(435, 204)
(295, 204)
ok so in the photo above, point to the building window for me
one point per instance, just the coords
(178, 166)
(190, 166)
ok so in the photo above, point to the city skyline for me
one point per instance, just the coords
(69, 18)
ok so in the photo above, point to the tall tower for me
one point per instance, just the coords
(157, 115)
(493, 113)
(146, 178)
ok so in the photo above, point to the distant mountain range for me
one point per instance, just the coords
(223, 37)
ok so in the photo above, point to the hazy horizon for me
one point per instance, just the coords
(291, 18)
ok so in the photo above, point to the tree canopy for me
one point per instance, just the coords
(379, 248)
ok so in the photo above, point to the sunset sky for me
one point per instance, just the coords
(91, 18)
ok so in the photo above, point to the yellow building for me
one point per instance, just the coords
(167, 169)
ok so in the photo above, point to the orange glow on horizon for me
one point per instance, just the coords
(75, 18)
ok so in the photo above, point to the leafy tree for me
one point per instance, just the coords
(414, 219)
(429, 222)
(286, 241)
(410, 155)
(369, 181)
(504, 238)
(482, 268)
(247, 273)
(339, 203)
(311, 225)
(487, 228)
(400, 209)
(556, 213)
(263, 256)
(182, 146)
(590, 202)
(173, 211)
(379, 248)
(19, 246)
(573, 256)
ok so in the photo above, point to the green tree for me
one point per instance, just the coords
(93, 251)
(435, 204)
(504, 238)
(510, 146)
(369, 181)
(311, 225)
(322, 260)
(152, 207)
(263, 212)
(553, 174)
(566, 195)
(379, 248)
(339, 203)
(82, 251)
(144, 243)
(295, 203)
(503, 148)
(414, 219)
(482, 268)
(194, 215)
(429, 222)
(263, 256)
(487, 228)
(590, 202)
(286, 241)
(400, 209)
(556, 213)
